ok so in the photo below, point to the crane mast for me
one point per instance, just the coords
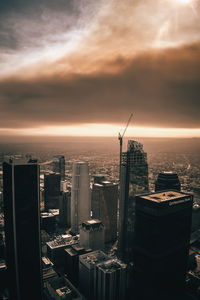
(120, 138)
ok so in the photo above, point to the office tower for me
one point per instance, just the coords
(87, 263)
(72, 262)
(65, 209)
(59, 165)
(134, 181)
(167, 181)
(80, 195)
(61, 288)
(51, 190)
(161, 244)
(110, 280)
(22, 228)
(55, 249)
(104, 206)
(92, 234)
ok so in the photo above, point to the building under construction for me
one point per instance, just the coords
(133, 181)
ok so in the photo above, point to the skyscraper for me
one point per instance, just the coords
(134, 181)
(167, 181)
(87, 263)
(161, 244)
(51, 190)
(59, 165)
(104, 206)
(110, 280)
(80, 195)
(22, 228)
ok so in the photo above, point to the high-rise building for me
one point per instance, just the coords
(80, 195)
(87, 263)
(110, 280)
(161, 244)
(59, 165)
(133, 181)
(92, 234)
(104, 206)
(51, 190)
(65, 209)
(167, 181)
(72, 262)
(22, 228)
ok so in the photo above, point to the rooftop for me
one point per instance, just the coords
(59, 241)
(94, 257)
(47, 215)
(105, 184)
(91, 222)
(164, 196)
(18, 160)
(111, 266)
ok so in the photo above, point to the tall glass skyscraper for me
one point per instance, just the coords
(133, 181)
(80, 195)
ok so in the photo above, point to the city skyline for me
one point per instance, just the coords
(72, 68)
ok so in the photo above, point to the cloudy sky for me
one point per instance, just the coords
(80, 67)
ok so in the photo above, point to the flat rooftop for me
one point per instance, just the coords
(111, 266)
(59, 242)
(14, 160)
(94, 257)
(164, 196)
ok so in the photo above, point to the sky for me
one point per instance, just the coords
(81, 67)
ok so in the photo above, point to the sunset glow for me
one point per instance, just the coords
(184, 2)
(102, 130)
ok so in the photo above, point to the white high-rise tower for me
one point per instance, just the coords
(80, 195)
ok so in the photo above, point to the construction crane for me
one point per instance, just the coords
(120, 138)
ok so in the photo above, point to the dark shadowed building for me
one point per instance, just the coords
(51, 190)
(22, 228)
(161, 244)
(65, 209)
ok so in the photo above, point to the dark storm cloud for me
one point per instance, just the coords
(161, 88)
